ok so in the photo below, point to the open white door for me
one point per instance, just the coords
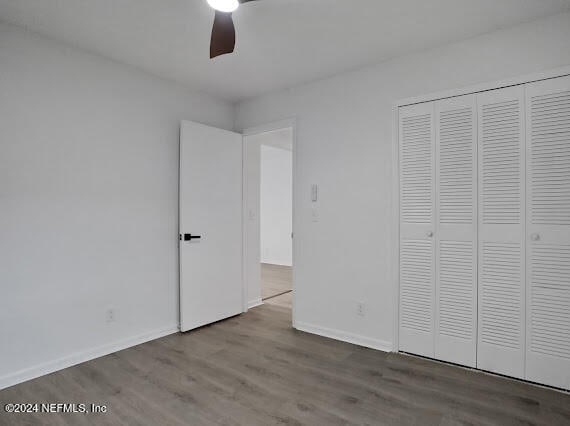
(211, 286)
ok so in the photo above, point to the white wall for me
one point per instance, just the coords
(276, 205)
(344, 137)
(88, 202)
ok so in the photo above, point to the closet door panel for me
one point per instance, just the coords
(456, 236)
(501, 288)
(417, 220)
(548, 232)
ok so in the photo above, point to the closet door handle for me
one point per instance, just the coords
(429, 234)
(535, 237)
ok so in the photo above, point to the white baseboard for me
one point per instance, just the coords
(83, 356)
(255, 302)
(344, 336)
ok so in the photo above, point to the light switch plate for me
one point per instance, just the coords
(314, 214)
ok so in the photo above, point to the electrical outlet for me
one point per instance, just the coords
(360, 309)
(110, 315)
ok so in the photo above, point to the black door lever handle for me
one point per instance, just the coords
(189, 237)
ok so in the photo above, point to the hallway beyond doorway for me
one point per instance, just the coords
(275, 280)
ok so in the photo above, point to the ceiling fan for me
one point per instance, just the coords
(223, 32)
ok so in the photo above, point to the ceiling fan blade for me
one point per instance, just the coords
(223, 35)
(244, 1)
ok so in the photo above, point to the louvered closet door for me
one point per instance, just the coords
(456, 235)
(417, 206)
(501, 287)
(548, 232)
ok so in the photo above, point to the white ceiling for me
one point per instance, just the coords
(280, 43)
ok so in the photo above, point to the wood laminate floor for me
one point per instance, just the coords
(275, 280)
(283, 300)
(255, 369)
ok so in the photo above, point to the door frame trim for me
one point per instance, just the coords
(256, 130)
(395, 198)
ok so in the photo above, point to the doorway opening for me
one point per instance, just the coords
(276, 216)
(268, 193)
